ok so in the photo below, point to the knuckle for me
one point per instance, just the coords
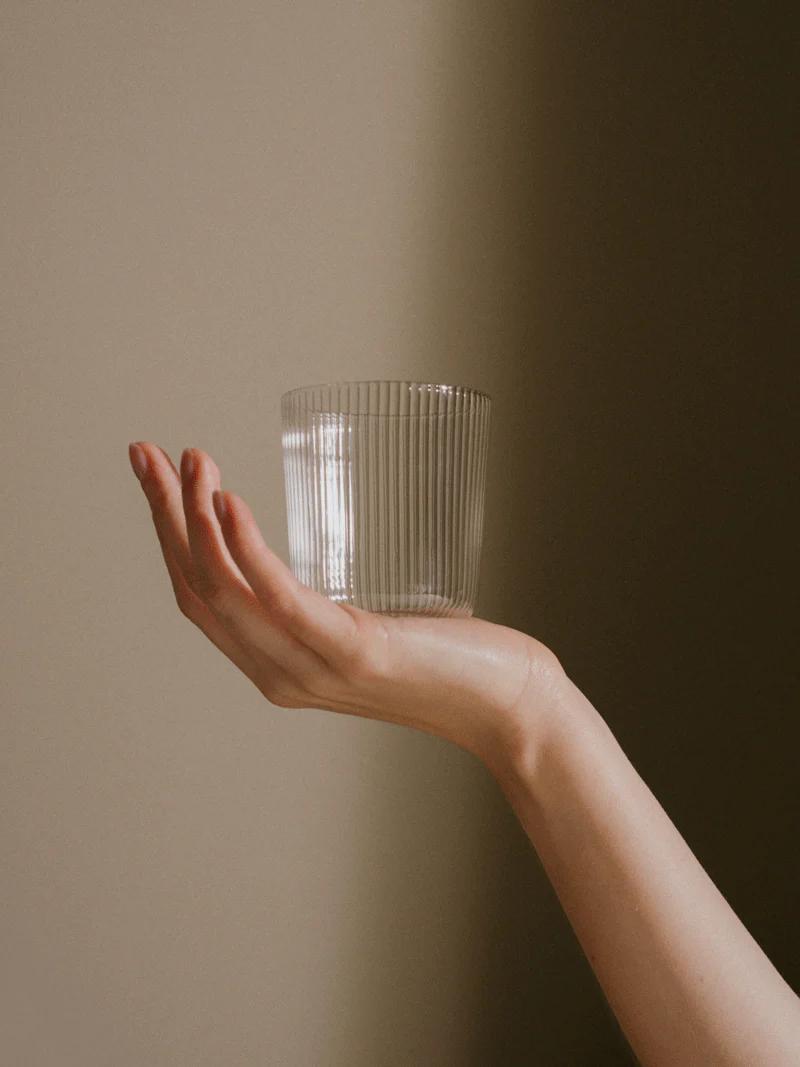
(198, 521)
(281, 694)
(235, 525)
(157, 496)
(195, 516)
(187, 607)
(204, 584)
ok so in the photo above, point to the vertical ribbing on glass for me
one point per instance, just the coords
(385, 493)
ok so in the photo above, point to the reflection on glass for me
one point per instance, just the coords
(385, 487)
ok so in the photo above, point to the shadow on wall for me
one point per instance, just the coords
(609, 266)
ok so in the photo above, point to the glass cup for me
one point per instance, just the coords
(385, 488)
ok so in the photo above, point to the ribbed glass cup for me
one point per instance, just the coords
(385, 488)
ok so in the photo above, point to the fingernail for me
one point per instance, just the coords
(219, 504)
(138, 459)
(187, 463)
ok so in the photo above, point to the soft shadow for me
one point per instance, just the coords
(610, 266)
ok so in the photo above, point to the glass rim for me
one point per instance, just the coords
(439, 387)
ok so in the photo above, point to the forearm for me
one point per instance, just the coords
(687, 982)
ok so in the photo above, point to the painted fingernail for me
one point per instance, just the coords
(187, 463)
(219, 504)
(138, 459)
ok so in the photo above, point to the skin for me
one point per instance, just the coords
(684, 977)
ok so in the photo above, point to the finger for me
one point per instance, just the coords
(219, 582)
(196, 611)
(161, 485)
(314, 619)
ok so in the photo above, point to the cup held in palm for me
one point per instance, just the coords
(385, 489)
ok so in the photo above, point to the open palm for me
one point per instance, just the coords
(461, 679)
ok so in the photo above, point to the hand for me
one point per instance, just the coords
(467, 680)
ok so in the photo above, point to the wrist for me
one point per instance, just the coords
(529, 728)
(555, 731)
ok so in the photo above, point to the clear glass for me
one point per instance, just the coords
(385, 488)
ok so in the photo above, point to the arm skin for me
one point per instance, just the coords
(687, 982)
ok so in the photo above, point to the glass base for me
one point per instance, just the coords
(431, 604)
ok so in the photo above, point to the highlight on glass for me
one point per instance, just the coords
(385, 488)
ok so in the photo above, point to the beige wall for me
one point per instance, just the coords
(575, 207)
